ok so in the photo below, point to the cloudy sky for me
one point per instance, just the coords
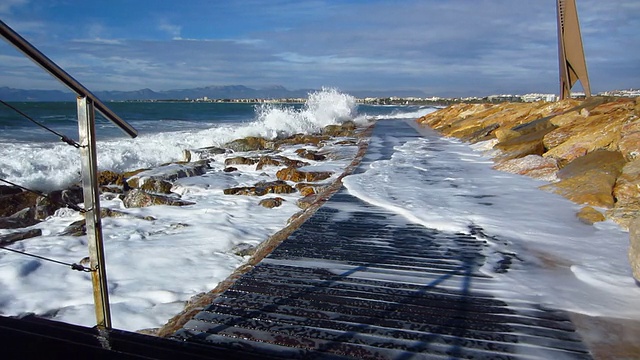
(447, 48)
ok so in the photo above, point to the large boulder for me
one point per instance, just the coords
(295, 175)
(590, 179)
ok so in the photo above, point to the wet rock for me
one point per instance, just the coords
(634, 248)
(47, 206)
(139, 198)
(157, 186)
(9, 190)
(303, 139)
(76, 228)
(295, 175)
(12, 203)
(310, 154)
(267, 161)
(111, 213)
(271, 202)
(250, 143)
(13, 237)
(205, 153)
(590, 216)
(21, 219)
(240, 160)
(346, 129)
(262, 188)
(230, 169)
(108, 177)
(166, 174)
(534, 166)
(242, 190)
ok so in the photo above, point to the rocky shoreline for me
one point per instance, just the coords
(588, 151)
(303, 169)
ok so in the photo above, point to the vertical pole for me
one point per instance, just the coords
(86, 128)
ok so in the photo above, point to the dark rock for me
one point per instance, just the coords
(157, 186)
(108, 177)
(76, 228)
(9, 190)
(11, 238)
(10, 204)
(230, 169)
(47, 206)
(21, 219)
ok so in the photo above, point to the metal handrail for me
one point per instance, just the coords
(39, 58)
(87, 104)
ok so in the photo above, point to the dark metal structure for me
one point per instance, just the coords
(573, 66)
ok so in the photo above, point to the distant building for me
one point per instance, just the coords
(539, 97)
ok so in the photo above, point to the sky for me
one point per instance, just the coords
(442, 48)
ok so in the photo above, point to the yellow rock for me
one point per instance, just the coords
(590, 216)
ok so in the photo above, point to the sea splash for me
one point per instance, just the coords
(47, 166)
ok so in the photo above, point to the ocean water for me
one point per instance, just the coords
(35, 158)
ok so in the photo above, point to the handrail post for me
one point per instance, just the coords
(86, 129)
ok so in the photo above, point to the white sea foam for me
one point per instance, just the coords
(446, 185)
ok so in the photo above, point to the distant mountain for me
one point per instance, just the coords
(211, 92)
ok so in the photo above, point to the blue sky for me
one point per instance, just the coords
(446, 48)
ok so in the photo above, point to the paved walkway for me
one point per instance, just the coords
(367, 284)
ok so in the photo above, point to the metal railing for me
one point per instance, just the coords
(87, 103)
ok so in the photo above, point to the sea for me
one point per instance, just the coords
(35, 158)
(158, 257)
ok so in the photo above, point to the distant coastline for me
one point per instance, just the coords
(279, 94)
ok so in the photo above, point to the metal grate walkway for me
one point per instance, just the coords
(367, 284)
